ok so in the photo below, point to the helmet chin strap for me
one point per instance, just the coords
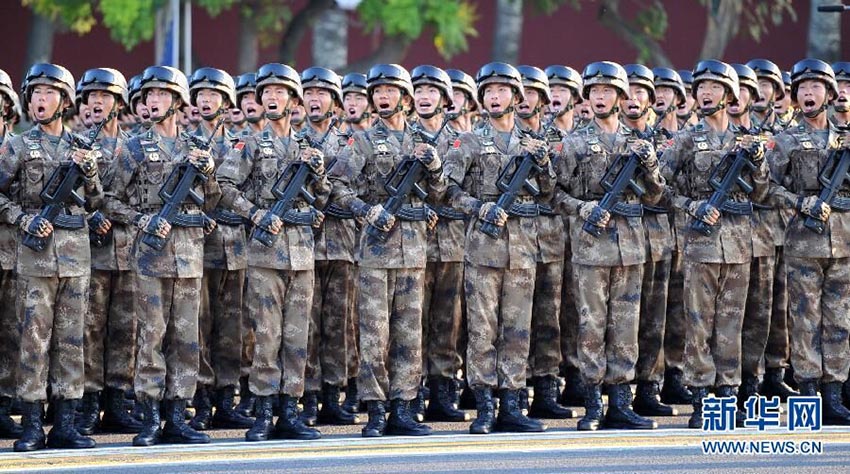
(215, 115)
(501, 114)
(570, 106)
(385, 114)
(528, 115)
(320, 118)
(816, 112)
(604, 115)
(639, 116)
(274, 117)
(56, 114)
(708, 112)
(437, 111)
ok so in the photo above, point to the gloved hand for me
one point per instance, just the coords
(431, 218)
(36, 225)
(315, 159)
(379, 218)
(645, 152)
(87, 161)
(812, 206)
(595, 215)
(536, 148)
(490, 212)
(154, 225)
(704, 211)
(318, 217)
(427, 154)
(754, 146)
(99, 224)
(272, 224)
(202, 160)
(209, 225)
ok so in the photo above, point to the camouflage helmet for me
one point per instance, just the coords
(718, 71)
(813, 69)
(280, 74)
(640, 75)
(747, 78)
(168, 78)
(464, 82)
(245, 83)
(567, 77)
(768, 70)
(388, 74)
(499, 73)
(354, 82)
(215, 79)
(607, 73)
(52, 75)
(434, 76)
(666, 77)
(134, 91)
(7, 89)
(104, 79)
(323, 78)
(841, 70)
(535, 78)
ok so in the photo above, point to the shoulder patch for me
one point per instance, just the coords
(456, 143)
(239, 146)
(350, 140)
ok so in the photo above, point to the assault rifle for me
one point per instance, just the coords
(732, 166)
(179, 186)
(831, 182)
(404, 181)
(61, 189)
(515, 177)
(291, 185)
(618, 178)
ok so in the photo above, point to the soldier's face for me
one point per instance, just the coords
(767, 93)
(811, 95)
(236, 116)
(100, 103)
(426, 99)
(710, 94)
(688, 105)
(561, 97)
(45, 101)
(602, 98)
(355, 105)
(209, 102)
(250, 107)
(297, 115)
(842, 103)
(142, 112)
(532, 100)
(386, 97)
(458, 101)
(317, 101)
(636, 103)
(740, 105)
(584, 110)
(498, 97)
(158, 101)
(664, 97)
(781, 106)
(275, 98)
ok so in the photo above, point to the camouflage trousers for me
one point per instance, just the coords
(544, 356)
(247, 333)
(279, 303)
(352, 334)
(675, 326)
(653, 316)
(328, 341)
(778, 352)
(220, 327)
(441, 318)
(167, 357)
(715, 296)
(390, 306)
(51, 315)
(756, 326)
(9, 333)
(608, 303)
(498, 305)
(818, 316)
(569, 317)
(110, 333)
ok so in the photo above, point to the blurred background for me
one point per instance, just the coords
(347, 35)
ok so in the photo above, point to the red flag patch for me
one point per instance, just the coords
(456, 144)
(239, 146)
(350, 140)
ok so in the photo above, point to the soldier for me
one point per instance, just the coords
(770, 90)
(8, 317)
(298, 116)
(280, 276)
(463, 101)
(565, 87)
(818, 264)
(433, 94)
(53, 282)
(716, 266)
(669, 95)
(786, 111)
(545, 345)
(212, 92)
(499, 266)
(246, 100)
(357, 110)
(841, 105)
(659, 248)
(137, 106)
(333, 291)
(236, 119)
(110, 332)
(169, 281)
(740, 110)
(585, 114)
(687, 112)
(391, 273)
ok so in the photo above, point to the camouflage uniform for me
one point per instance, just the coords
(716, 267)
(168, 281)
(391, 275)
(280, 278)
(53, 285)
(8, 313)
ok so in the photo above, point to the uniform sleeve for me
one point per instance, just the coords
(671, 166)
(564, 200)
(456, 165)
(116, 203)
(231, 175)
(9, 169)
(653, 183)
(777, 159)
(348, 167)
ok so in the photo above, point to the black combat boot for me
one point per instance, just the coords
(468, 400)
(401, 421)
(646, 402)
(246, 398)
(523, 395)
(377, 423)
(9, 429)
(176, 430)
(511, 419)
(620, 414)
(485, 419)
(203, 409)
(545, 403)
(774, 385)
(289, 425)
(32, 438)
(310, 413)
(749, 388)
(846, 393)
(808, 388)
(225, 416)
(698, 394)
(592, 408)
(151, 433)
(730, 391)
(574, 390)
(64, 434)
(417, 405)
(674, 392)
(331, 412)
(88, 417)
(263, 426)
(116, 418)
(834, 412)
(350, 404)
(440, 405)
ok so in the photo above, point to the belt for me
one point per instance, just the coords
(188, 220)
(524, 210)
(627, 210)
(741, 208)
(546, 210)
(413, 214)
(449, 213)
(296, 217)
(655, 209)
(223, 216)
(337, 212)
(69, 221)
(840, 204)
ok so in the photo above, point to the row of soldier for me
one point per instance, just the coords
(356, 287)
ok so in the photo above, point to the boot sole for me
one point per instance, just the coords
(27, 449)
(390, 432)
(627, 426)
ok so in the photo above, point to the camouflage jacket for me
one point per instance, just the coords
(247, 176)
(115, 255)
(687, 165)
(25, 166)
(796, 159)
(587, 155)
(657, 222)
(358, 183)
(137, 177)
(551, 233)
(473, 169)
(8, 232)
